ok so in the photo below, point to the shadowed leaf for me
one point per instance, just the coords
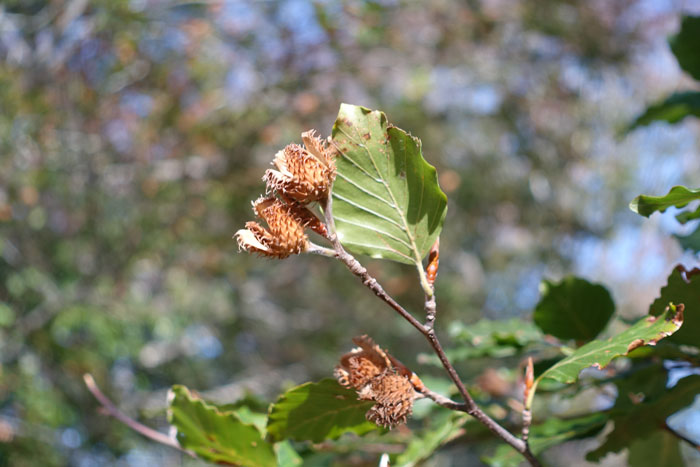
(318, 411)
(661, 448)
(686, 44)
(682, 287)
(573, 309)
(645, 418)
(673, 109)
(691, 241)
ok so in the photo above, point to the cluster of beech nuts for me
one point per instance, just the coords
(303, 175)
(379, 377)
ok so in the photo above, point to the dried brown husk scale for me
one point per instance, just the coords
(377, 376)
(303, 174)
(394, 395)
(285, 234)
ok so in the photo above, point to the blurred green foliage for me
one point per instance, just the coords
(133, 135)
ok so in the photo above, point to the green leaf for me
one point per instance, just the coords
(492, 338)
(386, 199)
(673, 109)
(646, 331)
(286, 455)
(318, 411)
(216, 436)
(691, 241)
(247, 416)
(685, 45)
(643, 381)
(682, 287)
(661, 448)
(573, 309)
(550, 433)
(646, 417)
(678, 196)
(445, 426)
(687, 216)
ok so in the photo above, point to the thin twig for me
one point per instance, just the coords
(357, 269)
(430, 312)
(428, 331)
(140, 428)
(442, 400)
(681, 437)
(528, 393)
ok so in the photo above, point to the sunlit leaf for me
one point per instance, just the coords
(678, 196)
(573, 309)
(386, 198)
(685, 45)
(673, 109)
(646, 331)
(682, 287)
(318, 411)
(646, 417)
(550, 433)
(216, 436)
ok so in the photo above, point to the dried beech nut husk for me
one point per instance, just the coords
(303, 173)
(285, 233)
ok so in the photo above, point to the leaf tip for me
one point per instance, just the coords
(634, 206)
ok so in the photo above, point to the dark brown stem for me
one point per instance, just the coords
(113, 411)
(681, 437)
(469, 406)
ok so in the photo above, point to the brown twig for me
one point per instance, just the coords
(140, 428)
(469, 406)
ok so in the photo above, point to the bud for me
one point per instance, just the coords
(285, 235)
(433, 262)
(379, 377)
(303, 174)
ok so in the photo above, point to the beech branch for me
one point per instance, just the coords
(427, 330)
(140, 428)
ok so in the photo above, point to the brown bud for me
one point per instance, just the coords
(285, 235)
(529, 380)
(433, 262)
(303, 174)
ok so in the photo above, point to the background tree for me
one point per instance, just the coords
(134, 135)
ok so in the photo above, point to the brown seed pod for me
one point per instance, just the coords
(304, 174)
(284, 236)
(379, 377)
